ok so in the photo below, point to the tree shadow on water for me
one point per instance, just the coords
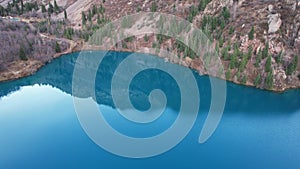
(240, 99)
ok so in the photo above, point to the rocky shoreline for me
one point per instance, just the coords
(21, 69)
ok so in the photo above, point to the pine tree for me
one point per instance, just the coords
(225, 53)
(68, 33)
(292, 67)
(22, 53)
(257, 80)
(226, 13)
(228, 74)
(213, 24)
(278, 58)
(43, 9)
(65, 13)
(50, 9)
(233, 60)
(269, 64)
(94, 11)
(90, 16)
(251, 33)
(295, 61)
(98, 19)
(250, 51)
(18, 9)
(57, 47)
(265, 52)
(222, 24)
(269, 80)
(204, 22)
(243, 63)
(234, 56)
(83, 18)
(146, 38)
(238, 75)
(190, 18)
(153, 7)
(22, 6)
(101, 10)
(9, 8)
(138, 9)
(28, 7)
(2, 11)
(203, 4)
(36, 6)
(258, 58)
(231, 30)
(217, 48)
(56, 7)
(244, 80)
(221, 42)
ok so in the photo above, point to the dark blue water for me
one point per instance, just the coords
(39, 127)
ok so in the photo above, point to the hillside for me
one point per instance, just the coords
(258, 41)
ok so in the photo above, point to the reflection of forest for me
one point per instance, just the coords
(239, 98)
(59, 74)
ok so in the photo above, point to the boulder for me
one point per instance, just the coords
(274, 23)
(270, 8)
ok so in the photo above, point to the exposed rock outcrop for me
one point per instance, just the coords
(274, 22)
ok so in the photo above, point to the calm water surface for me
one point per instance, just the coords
(39, 127)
